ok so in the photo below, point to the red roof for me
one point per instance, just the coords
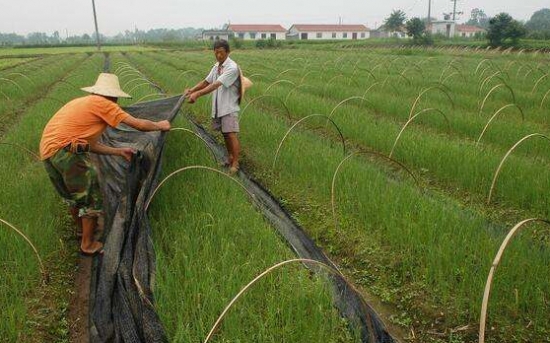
(256, 28)
(330, 28)
(468, 28)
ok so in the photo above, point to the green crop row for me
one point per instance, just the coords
(34, 307)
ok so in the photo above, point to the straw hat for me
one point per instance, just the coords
(107, 85)
(245, 84)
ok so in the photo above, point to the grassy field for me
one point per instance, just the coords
(425, 251)
(420, 250)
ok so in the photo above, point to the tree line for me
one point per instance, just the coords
(128, 37)
(501, 29)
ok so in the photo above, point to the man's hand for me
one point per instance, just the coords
(164, 125)
(193, 97)
(127, 153)
(187, 92)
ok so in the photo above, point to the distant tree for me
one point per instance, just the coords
(395, 21)
(478, 18)
(503, 27)
(540, 21)
(416, 28)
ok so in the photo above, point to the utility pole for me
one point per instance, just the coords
(96, 29)
(454, 9)
(429, 12)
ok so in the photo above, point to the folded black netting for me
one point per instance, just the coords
(120, 311)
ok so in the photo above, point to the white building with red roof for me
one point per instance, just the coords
(468, 31)
(257, 32)
(324, 31)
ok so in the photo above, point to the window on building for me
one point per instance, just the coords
(463, 34)
(252, 35)
(241, 35)
(362, 34)
(319, 35)
(273, 36)
(334, 35)
(345, 35)
(264, 35)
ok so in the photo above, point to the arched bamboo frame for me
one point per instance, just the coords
(374, 153)
(410, 121)
(296, 124)
(495, 115)
(506, 156)
(496, 261)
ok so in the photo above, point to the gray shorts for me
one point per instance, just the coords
(226, 124)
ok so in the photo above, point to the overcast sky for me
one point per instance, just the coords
(114, 16)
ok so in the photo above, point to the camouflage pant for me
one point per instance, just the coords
(75, 179)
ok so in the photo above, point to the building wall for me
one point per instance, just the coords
(261, 35)
(329, 35)
(445, 28)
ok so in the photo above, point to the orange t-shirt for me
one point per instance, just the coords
(78, 122)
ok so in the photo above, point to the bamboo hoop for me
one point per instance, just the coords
(369, 72)
(480, 63)
(309, 73)
(149, 96)
(410, 121)
(199, 137)
(496, 261)
(487, 80)
(278, 82)
(333, 187)
(9, 99)
(330, 269)
(538, 81)
(193, 168)
(22, 75)
(257, 74)
(491, 91)
(424, 92)
(370, 87)
(495, 115)
(146, 83)
(291, 91)
(40, 263)
(296, 124)
(449, 76)
(484, 71)
(346, 101)
(506, 156)
(185, 72)
(285, 71)
(263, 97)
(140, 78)
(12, 82)
(544, 97)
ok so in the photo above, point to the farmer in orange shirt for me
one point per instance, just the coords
(68, 138)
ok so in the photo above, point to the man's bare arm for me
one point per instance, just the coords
(207, 90)
(201, 85)
(147, 125)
